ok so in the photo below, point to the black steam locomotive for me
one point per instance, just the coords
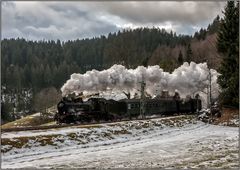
(75, 110)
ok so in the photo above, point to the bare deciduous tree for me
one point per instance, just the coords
(46, 98)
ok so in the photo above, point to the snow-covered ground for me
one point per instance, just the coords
(180, 142)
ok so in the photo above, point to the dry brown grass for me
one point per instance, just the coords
(21, 142)
(228, 114)
(27, 121)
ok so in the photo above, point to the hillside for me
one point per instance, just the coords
(203, 51)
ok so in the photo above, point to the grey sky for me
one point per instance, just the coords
(72, 20)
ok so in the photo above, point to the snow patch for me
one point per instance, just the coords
(157, 143)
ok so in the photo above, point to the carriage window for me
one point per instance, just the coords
(129, 106)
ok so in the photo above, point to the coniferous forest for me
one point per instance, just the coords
(40, 64)
(32, 68)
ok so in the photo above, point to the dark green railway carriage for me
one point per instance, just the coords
(190, 106)
(196, 104)
(116, 108)
(159, 106)
(132, 108)
(185, 106)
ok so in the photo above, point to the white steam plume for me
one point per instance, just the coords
(188, 79)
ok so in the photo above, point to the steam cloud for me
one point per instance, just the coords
(188, 79)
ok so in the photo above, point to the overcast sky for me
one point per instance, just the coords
(77, 20)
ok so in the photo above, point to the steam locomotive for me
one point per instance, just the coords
(75, 110)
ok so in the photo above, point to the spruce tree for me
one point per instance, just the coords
(213, 28)
(180, 58)
(228, 45)
(189, 53)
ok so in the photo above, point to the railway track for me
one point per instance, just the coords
(77, 125)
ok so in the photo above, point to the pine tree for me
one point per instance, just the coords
(228, 45)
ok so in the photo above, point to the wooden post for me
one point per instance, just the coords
(142, 109)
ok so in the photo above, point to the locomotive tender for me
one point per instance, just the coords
(74, 110)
